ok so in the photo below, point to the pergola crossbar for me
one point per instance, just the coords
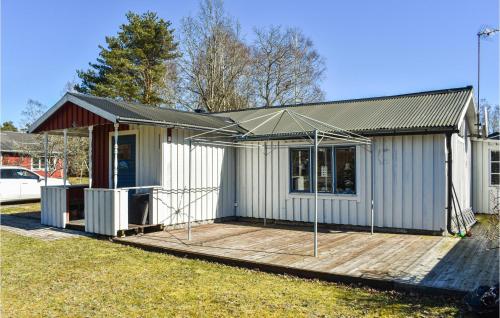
(316, 132)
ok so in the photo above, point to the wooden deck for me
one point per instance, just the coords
(394, 261)
(133, 229)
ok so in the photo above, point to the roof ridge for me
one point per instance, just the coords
(420, 93)
(146, 105)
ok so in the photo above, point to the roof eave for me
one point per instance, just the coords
(370, 133)
(409, 131)
(137, 121)
(75, 100)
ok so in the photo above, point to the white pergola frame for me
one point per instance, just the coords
(316, 132)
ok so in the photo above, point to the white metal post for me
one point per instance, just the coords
(115, 159)
(91, 128)
(315, 176)
(189, 192)
(372, 158)
(46, 150)
(265, 183)
(65, 161)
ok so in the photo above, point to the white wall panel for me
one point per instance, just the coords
(409, 185)
(106, 211)
(483, 194)
(462, 170)
(53, 206)
(149, 154)
(212, 180)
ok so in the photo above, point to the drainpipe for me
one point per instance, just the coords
(449, 183)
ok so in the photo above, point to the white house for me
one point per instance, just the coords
(405, 163)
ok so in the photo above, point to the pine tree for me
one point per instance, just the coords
(8, 126)
(135, 64)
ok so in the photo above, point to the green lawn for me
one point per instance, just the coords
(85, 277)
(20, 208)
(78, 180)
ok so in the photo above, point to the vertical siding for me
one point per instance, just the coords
(482, 192)
(212, 180)
(409, 185)
(462, 169)
(70, 116)
(53, 206)
(148, 147)
(106, 211)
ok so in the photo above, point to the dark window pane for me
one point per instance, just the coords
(124, 152)
(345, 170)
(495, 167)
(300, 169)
(324, 170)
(495, 155)
(495, 179)
(8, 174)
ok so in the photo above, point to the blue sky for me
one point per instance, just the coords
(371, 48)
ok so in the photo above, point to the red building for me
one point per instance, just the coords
(26, 150)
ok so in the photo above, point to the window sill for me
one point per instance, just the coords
(322, 196)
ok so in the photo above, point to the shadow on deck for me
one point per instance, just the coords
(429, 264)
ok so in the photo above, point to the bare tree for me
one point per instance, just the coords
(493, 115)
(286, 67)
(170, 90)
(69, 87)
(77, 146)
(215, 65)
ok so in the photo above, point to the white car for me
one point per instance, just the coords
(18, 183)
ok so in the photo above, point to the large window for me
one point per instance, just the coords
(494, 167)
(336, 170)
(300, 169)
(345, 170)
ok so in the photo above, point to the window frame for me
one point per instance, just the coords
(333, 192)
(490, 172)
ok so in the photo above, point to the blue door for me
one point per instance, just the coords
(126, 160)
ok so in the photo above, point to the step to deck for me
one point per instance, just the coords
(135, 229)
(75, 226)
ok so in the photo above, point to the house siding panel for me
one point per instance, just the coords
(409, 185)
(71, 116)
(212, 180)
(483, 195)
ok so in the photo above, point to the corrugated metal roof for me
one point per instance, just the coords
(418, 111)
(432, 110)
(136, 111)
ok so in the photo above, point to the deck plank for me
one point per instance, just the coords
(430, 261)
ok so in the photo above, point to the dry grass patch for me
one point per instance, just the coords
(86, 277)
